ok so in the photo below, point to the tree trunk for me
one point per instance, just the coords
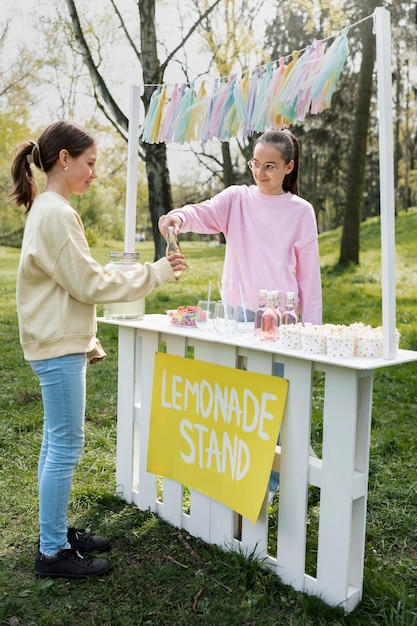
(229, 177)
(349, 249)
(159, 184)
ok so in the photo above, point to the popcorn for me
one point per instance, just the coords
(336, 340)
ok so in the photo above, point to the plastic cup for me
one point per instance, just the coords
(204, 318)
(246, 318)
(225, 318)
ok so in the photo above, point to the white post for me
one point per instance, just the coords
(136, 92)
(386, 174)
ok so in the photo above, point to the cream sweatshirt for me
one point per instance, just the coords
(59, 283)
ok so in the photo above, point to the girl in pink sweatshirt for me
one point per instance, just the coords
(271, 232)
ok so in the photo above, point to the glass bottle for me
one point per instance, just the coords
(269, 322)
(124, 261)
(277, 303)
(172, 246)
(259, 311)
(290, 314)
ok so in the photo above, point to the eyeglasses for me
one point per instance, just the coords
(269, 168)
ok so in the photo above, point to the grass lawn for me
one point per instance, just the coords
(162, 576)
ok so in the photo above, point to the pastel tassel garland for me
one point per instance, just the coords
(274, 97)
(259, 122)
(184, 117)
(197, 114)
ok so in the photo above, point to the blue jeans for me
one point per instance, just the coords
(63, 384)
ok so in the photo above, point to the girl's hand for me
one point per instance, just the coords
(169, 220)
(177, 262)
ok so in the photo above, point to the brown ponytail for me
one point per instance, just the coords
(44, 154)
(25, 187)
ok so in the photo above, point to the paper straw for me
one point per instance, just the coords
(208, 307)
(220, 291)
(243, 303)
(222, 299)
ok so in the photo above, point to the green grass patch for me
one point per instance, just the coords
(162, 576)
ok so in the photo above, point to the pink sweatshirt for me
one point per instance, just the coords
(271, 243)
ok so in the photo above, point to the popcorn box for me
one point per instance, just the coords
(370, 344)
(369, 347)
(341, 346)
(314, 342)
(290, 336)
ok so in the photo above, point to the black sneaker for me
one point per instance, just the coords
(86, 542)
(70, 564)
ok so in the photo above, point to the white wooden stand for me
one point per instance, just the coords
(341, 474)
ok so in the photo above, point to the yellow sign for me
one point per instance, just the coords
(215, 429)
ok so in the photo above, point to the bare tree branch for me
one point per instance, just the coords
(188, 35)
(120, 119)
(126, 32)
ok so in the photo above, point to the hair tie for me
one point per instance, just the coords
(30, 157)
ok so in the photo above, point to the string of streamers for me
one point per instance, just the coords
(274, 96)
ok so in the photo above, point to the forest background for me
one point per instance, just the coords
(50, 68)
(77, 60)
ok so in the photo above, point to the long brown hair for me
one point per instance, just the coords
(44, 154)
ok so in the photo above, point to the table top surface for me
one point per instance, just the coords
(161, 324)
